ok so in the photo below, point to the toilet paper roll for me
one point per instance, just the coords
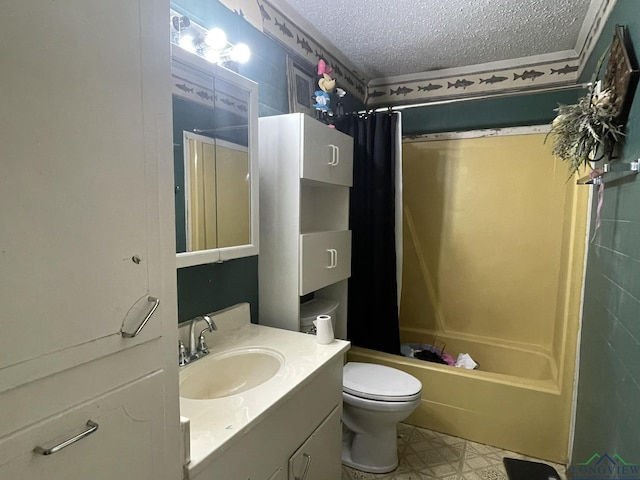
(324, 329)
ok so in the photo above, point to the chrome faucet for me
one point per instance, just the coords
(199, 350)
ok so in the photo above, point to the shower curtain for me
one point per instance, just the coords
(376, 225)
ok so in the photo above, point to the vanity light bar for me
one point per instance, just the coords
(211, 45)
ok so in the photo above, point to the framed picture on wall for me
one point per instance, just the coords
(301, 88)
(622, 72)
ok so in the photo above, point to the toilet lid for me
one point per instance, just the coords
(377, 382)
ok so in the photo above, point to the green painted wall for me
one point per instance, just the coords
(608, 416)
(514, 111)
(211, 287)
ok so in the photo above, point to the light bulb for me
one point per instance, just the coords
(186, 42)
(216, 38)
(212, 55)
(240, 53)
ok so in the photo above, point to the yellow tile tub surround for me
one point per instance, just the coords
(493, 261)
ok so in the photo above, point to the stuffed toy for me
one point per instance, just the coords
(326, 84)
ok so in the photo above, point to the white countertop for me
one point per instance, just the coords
(215, 423)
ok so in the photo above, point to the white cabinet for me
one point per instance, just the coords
(306, 169)
(86, 240)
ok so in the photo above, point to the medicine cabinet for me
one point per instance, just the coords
(215, 121)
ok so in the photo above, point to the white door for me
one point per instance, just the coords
(325, 258)
(84, 93)
(327, 155)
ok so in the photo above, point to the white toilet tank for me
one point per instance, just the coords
(311, 309)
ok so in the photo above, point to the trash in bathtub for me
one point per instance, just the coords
(430, 353)
(465, 361)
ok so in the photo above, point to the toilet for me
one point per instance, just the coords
(375, 399)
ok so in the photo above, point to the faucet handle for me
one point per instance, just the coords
(203, 349)
(183, 358)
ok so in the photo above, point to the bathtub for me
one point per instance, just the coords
(515, 400)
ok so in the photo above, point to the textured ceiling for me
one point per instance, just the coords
(385, 38)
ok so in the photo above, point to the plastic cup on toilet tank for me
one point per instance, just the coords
(324, 329)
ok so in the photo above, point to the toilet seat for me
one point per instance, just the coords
(378, 382)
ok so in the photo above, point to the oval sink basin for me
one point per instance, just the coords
(229, 373)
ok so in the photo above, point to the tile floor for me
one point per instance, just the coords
(428, 455)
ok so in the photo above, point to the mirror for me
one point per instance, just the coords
(215, 121)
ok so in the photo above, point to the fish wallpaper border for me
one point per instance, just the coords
(520, 75)
(186, 88)
(280, 27)
(434, 87)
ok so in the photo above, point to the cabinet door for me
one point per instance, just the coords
(80, 131)
(327, 155)
(325, 259)
(319, 457)
(127, 442)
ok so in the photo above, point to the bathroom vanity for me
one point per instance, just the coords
(287, 427)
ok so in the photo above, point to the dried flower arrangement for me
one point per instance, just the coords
(586, 131)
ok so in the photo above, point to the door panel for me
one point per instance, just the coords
(325, 259)
(79, 178)
(327, 154)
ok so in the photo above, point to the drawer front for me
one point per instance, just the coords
(325, 258)
(327, 155)
(127, 443)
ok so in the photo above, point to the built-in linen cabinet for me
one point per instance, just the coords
(306, 169)
(88, 373)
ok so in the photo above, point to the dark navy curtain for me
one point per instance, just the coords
(373, 299)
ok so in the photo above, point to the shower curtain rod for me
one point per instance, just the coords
(481, 97)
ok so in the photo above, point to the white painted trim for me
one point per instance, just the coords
(594, 32)
(576, 373)
(588, 23)
(490, 132)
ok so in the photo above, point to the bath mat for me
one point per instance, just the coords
(526, 470)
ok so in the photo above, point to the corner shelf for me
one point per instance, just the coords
(620, 169)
